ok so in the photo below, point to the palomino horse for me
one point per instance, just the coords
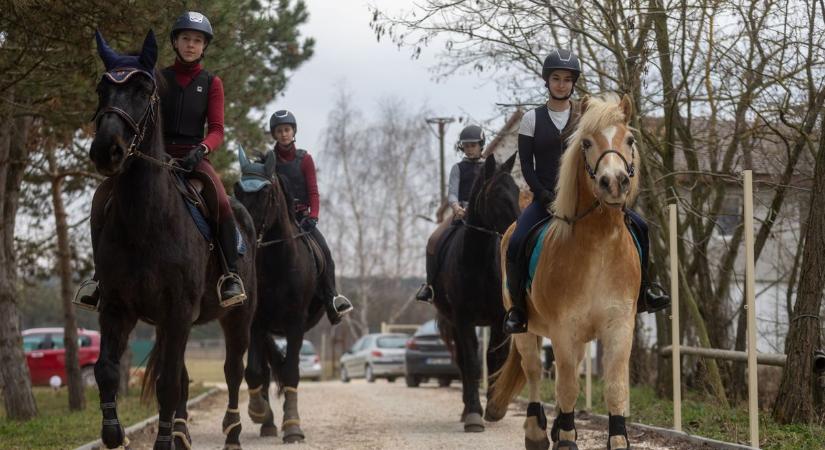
(152, 262)
(289, 301)
(467, 289)
(586, 280)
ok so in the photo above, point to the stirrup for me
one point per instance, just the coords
(78, 295)
(425, 289)
(238, 299)
(342, 305)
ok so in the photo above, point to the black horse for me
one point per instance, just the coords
(152, 262)
(467, 290)
(290, 300)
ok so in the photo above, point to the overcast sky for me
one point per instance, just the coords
(346, 51)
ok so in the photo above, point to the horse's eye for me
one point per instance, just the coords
(630, 141)
(586, 144)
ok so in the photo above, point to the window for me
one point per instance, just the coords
(392, 342)
(730, 215)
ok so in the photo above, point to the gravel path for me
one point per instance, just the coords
(383, 415)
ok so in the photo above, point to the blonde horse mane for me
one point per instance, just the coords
(598, 113)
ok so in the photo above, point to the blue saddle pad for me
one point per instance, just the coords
(536, 251)
(203, 225)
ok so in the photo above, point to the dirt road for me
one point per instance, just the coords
(383, 415)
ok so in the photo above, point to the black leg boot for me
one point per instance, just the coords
(335, 304)
(230, 287)
(652, 296)
(516, 319)
(425, 292)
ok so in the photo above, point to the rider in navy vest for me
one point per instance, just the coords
(542, 140)
(296, 166)
(193, 98)
(462, 177)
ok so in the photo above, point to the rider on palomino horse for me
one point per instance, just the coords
(297, 167)
(194, 97)
(462, 176)
(542, 139)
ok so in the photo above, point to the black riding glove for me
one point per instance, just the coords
(308, 224)
(544, 198)
(190, 161)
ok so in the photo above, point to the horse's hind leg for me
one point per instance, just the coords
(171, 345)
(291, 425)
(496, 355)
(617, 339)
(257, 376)
(568, 355)
(535, 425)
(114, 336)
(467, 353)
(236, 333)
(180, 430)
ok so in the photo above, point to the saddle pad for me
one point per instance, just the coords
(539, 246)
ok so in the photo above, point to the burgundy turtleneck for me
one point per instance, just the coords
(308, 170)
(184, 74)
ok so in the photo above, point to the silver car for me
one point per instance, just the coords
(309, 366)
(378, 355)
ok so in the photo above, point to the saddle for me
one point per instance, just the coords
(317, 253)
(533, 245)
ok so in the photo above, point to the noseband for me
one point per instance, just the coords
(629, 167)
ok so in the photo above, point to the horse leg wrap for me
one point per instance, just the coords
(564, 430)
(291, 426)
(231, 420)
(258, 408)
(112, 433)
(616, 429)
(181, 432)
(535, 428)
(535, 409)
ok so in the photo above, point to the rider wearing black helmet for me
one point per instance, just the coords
(296, 166)
(542, 140)
(470, 141)
(193, 98)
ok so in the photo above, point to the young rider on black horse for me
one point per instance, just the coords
(462, 176)
(193, 98)
(542, 140)
(297, 167)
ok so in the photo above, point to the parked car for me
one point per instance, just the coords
(378, 355)
(46, 354)
(427, 357)
(309, 366)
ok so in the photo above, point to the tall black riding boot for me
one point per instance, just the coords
(425, 292)
(335, 304)
(516, 319)
(652, 296)
(230, 287)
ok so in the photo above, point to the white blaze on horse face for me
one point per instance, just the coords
(612, 169)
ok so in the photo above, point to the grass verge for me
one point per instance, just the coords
(702, 417)
(57, 427)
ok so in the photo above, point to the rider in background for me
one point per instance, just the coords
(462, 176)
(296, 166)
(542, 140)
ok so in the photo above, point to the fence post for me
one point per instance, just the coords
(753, 388)
(674, 311)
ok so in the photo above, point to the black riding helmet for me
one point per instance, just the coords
(282, 117)
(194, 21)
(561, 59)
(471, 133)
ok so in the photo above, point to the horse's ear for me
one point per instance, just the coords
(107, 55)
(242, 159)
(627, 107)
(149, 53)
(270, 163)
(507, 167)
(489, 167)
(584, 103)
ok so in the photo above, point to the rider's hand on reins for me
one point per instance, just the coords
(190, 161)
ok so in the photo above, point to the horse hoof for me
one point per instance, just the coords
(537, 445)
(494, 415)
(269, 430)
(292, 434)
(232, 447)
(565, 445)
(182, 442)
(473, 423)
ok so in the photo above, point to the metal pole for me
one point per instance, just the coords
(442, 127)
(753, 389)
(588, 386)
(674, 311)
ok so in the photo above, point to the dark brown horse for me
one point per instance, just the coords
(467, 290)
(152, 262)
(290, 300)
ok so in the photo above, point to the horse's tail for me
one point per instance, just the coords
(276, 361)
(150, 375)
(508, 381)
(445, 329)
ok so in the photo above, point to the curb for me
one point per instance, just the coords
(97, 444)
(666, 432)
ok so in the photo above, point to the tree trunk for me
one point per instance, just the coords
(74, 379)
(795, 399)
(17, 392)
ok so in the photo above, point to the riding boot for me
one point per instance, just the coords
(516, 319)
(652, 296)
(89, 301)
(230, 286)
(425, 292)
(335, 304)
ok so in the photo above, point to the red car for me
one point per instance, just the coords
(46, 355)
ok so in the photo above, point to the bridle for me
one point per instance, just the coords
(260, 242)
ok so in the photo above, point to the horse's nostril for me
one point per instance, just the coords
(624, 182)
(604, 183)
